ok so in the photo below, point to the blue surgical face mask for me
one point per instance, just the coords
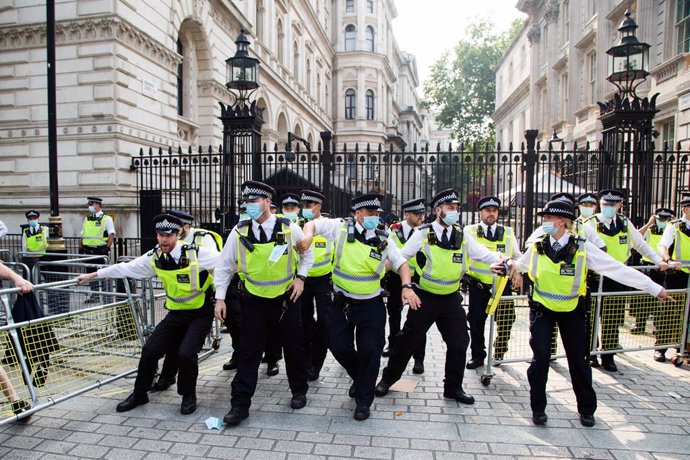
(244, 216)
(33, 223)
(661, 224)
(451, 217)
(549, 228)
(586, 211)
(290, 215)
(609, 212)
(92, 209)
(370, 222)
(308, 214)
(254, 210)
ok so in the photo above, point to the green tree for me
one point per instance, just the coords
(462, 85)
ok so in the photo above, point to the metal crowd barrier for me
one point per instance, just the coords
(613, 326)
(6, 255)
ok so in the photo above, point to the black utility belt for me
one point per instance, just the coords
(350, 301)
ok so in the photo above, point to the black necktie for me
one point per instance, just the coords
(444, 237)
(409, 234)
(262, 235)
(489, 234)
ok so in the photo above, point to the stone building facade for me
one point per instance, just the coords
(555, 70)
(135, 73)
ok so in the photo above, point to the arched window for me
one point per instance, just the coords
(350, 38)
(370, 39)
(295, 60)
(180, 80)
(370, 104)
(349, 6)
(350, 104)
(281, 42)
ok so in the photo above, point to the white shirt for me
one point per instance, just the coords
(638, 242)
(109, 225)
(475, 250)
(208, 240)
(330, 229)
(604, 264)
(589, 231)
(141, 266)
(3, 229)
(227, 262)
(514, 244)
(669, 235)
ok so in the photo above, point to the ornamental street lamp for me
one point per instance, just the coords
(242, 123)
(627, 122)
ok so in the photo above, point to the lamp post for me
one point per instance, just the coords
(627, 122)
(242, 123)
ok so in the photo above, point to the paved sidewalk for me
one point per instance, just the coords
(637, 419)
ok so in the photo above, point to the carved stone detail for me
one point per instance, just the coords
(534, 34)
(551, 11)
(216, 90)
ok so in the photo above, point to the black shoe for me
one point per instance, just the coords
(351, 391)
(230, 365)
(132, 401)
(313, 374)
(361, 413)
(638, 330)
(659, 356)
(587, 420)
(539, 418)
(474, 363)
(272, 369)
(298, 401)
(609, 365)
(235, 416)
(162, 384)
(386, 352)
(418, 367)
(459, 395)
(382, 388)
(593, 361)
(188, 404)
(20, 406)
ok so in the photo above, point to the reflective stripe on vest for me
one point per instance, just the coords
(681, 246)
(619, 251)
(198, 235)
(38, 242)
(412, 261)
(551, 287)
(480, 270)
(323, 257)
(444, 267)
(357, 269)
(94, 232)
(181, 285)
(261, 277)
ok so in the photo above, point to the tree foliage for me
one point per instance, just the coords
(462, 85)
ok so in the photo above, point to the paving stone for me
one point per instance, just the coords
(409, 454)
(373, 452)
(333, 449)
(55, 446)
(89, 451)
(181, 436)
(255, 443)
(294, 446)
(117, 441)
(262, 455)
(227, 452)
(152, 446)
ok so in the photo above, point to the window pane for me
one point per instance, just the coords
(370, 6)
(350, 38)
(350, 104)
(370, 39)
(350, 6)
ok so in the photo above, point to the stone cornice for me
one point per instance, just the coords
(88, 31)
(215, 89)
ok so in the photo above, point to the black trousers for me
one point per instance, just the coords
(394, 306)
(317, 292)
(360, 323)
(187, 329)
(611, 319)
(447, 312)
(261, 317)
(480, 294)
(573, 334)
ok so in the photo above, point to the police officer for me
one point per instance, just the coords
(675, 244)
(496, 238)
(413, 212)
(185, 273)
(262, 250)
(317, 288)
(98, 229)
(442, 250)
(289, 206)
(557, 266)
(620, 237)
(188, 235)
(361, 254)
(34, 239)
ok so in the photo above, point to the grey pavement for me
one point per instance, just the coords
(643, 414)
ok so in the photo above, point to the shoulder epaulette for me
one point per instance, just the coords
(422, 227)
(283, 220)
(243, 223)
(381, 233)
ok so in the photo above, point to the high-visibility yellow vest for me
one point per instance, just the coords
(323, 256)
(652, 237)
(94, 231)
(504, 245)
(262, 277)
(183, 288)
(198, 235)
(400, 239)
(558, 286)
(36, 243)
(681, 243)
(444, 267)
(358, 267)
(618, 246)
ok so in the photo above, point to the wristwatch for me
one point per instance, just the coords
(408, 285)
(302, 277)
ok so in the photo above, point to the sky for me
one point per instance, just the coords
(427, 28)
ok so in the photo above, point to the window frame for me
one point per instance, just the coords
(350, 37)
(350, 104)
(349, 6)
(370, 39)
(370, 101)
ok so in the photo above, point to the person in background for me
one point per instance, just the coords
(289, 206)
(34, 239)
(3, 229)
